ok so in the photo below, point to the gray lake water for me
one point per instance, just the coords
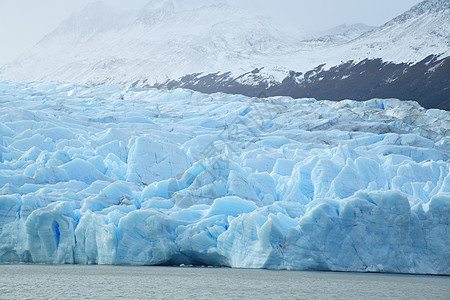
(123, 282)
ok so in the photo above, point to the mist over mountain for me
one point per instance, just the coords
(210, 46)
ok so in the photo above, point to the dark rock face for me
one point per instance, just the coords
(427, 82)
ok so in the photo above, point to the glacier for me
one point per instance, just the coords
(119, 175)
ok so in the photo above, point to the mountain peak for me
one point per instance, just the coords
(95, 17)
(432, 6)
(151, 14)
(422, 8)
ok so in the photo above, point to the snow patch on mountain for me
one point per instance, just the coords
(167, 40)
(343, 33)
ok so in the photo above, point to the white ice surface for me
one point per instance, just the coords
(111, 175)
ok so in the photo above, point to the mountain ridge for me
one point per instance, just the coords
(165, 43)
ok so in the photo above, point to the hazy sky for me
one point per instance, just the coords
(24, 22)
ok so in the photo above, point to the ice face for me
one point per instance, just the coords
(114, 175)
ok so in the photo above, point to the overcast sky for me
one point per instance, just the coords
(24, 22)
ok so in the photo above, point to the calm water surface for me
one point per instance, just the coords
(122, 282)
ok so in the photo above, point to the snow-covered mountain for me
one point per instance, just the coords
(155, 43)
(410, 37)
(343, 33)
(171, 44)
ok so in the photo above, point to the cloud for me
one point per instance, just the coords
(21, 28)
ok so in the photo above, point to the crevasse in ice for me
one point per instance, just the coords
(114, 175)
